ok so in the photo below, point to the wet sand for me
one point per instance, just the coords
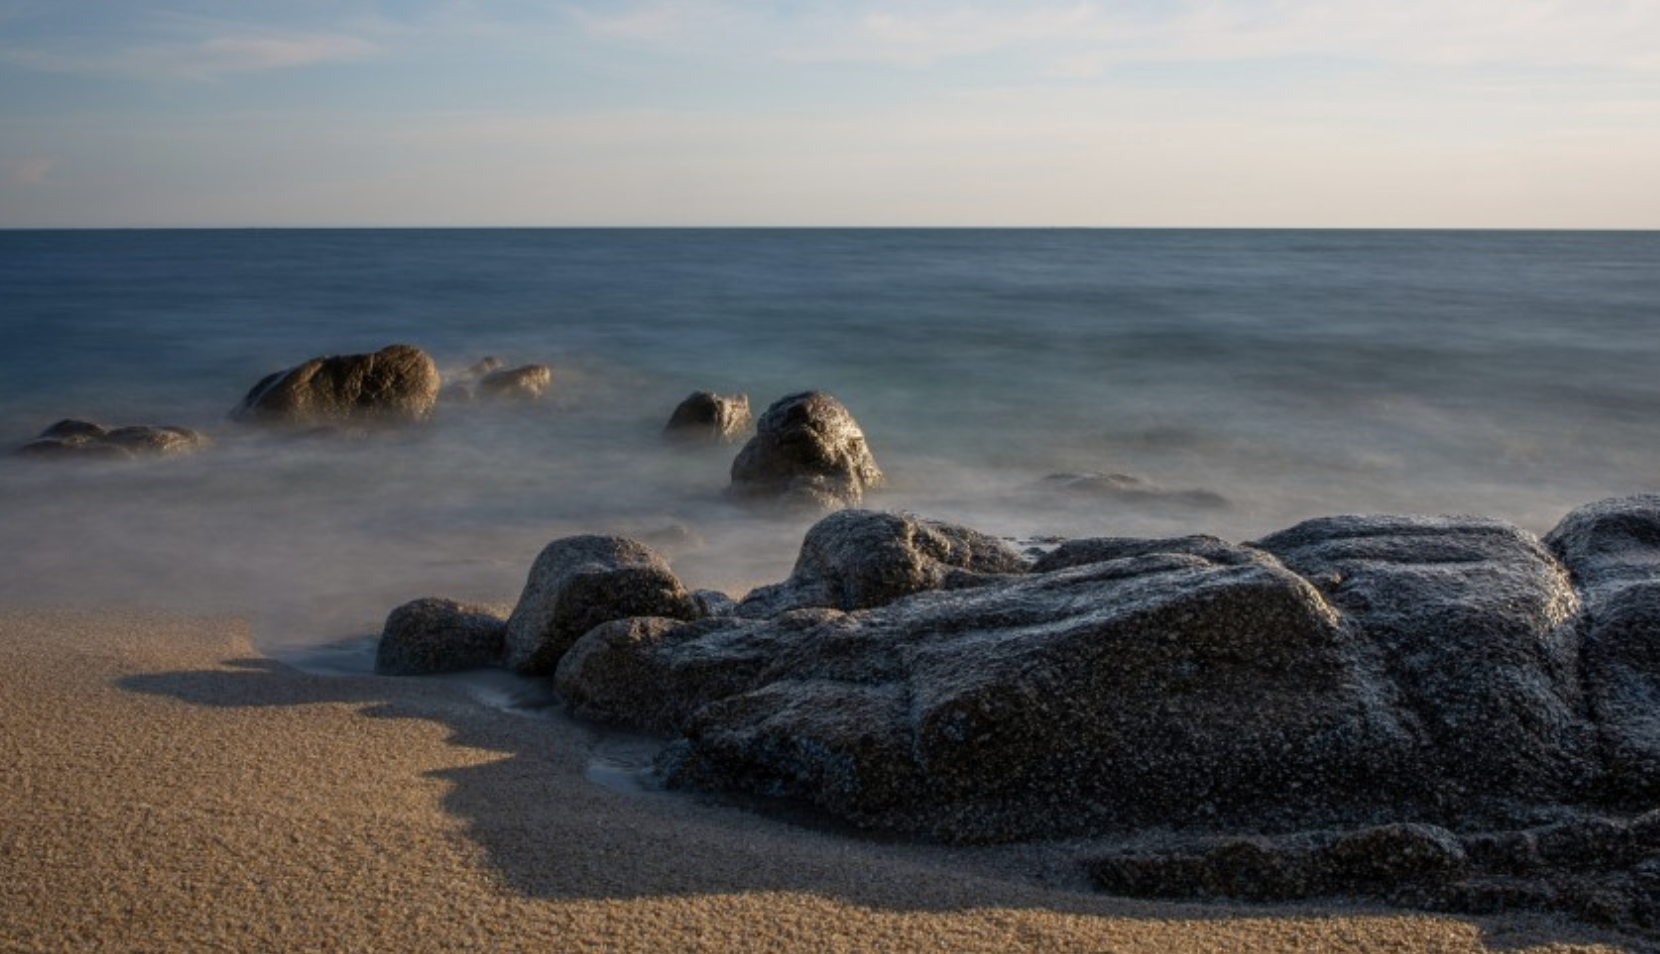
(167, 788)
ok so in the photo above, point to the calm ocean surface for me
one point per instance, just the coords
(1292, 373)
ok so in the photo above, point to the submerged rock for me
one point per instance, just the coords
(395, 385)
(708, 416)
(431, 635)
(84, 439)
(807, 451)
(1130, 489)
(578, 583)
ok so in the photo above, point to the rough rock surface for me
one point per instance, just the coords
(807, 452)
(1161, 687)
(428, 636)
(396, 385)
(84, 439)
(857, 559)
(1605, 870)
(1612, 547)
(578, 583)
(1472, 623)
(707, 416)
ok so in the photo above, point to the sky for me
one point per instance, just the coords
(1099, 113)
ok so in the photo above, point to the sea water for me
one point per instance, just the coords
(1283, 374)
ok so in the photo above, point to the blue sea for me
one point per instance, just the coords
(1286, 374)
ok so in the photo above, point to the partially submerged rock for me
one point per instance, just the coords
(807, 452)
(395, 385)
(524, 383)
(707, 416)
(578, 583)
(84, 439)
(1134, 490)
(428, 636)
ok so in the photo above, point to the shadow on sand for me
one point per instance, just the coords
(557, 829)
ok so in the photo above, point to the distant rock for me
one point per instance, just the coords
(1131, 489)
(858, 559)
(578, 583)
(807, 452)
(524, 383)
(431, 635)
(396, 385)
(71, 438)
(707, 416)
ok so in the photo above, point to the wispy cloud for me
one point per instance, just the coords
(1083, 35)
(233, 49)
(33, 171)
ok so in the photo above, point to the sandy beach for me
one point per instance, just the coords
(167, 788)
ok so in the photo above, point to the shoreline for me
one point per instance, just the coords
(167, 788)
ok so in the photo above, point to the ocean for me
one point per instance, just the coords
(1249, 379)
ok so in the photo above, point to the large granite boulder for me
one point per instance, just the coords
(1160, 688)
(1472, 620)
(1350, 670)
(396, 385)
(431, 635)
(707, 416)
(1612, 547)
(807, 452)
(578, 583)
(857, 559)
(71, 438)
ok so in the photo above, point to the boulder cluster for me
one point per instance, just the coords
(807, 451)
(1447, 711)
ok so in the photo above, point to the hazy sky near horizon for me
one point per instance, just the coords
(1348, 113)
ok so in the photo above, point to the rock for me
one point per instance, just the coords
(1473, 622)
(807, 451)
(1612, 547)
(431, 635)
(578, 583)
(706, 416)
(524, 383)
(1161, 688)
(1130, 489)
(396, 385)
(83, 439)
(1381, 860)
(1087, 550)
(714, 603)
(857, 559)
